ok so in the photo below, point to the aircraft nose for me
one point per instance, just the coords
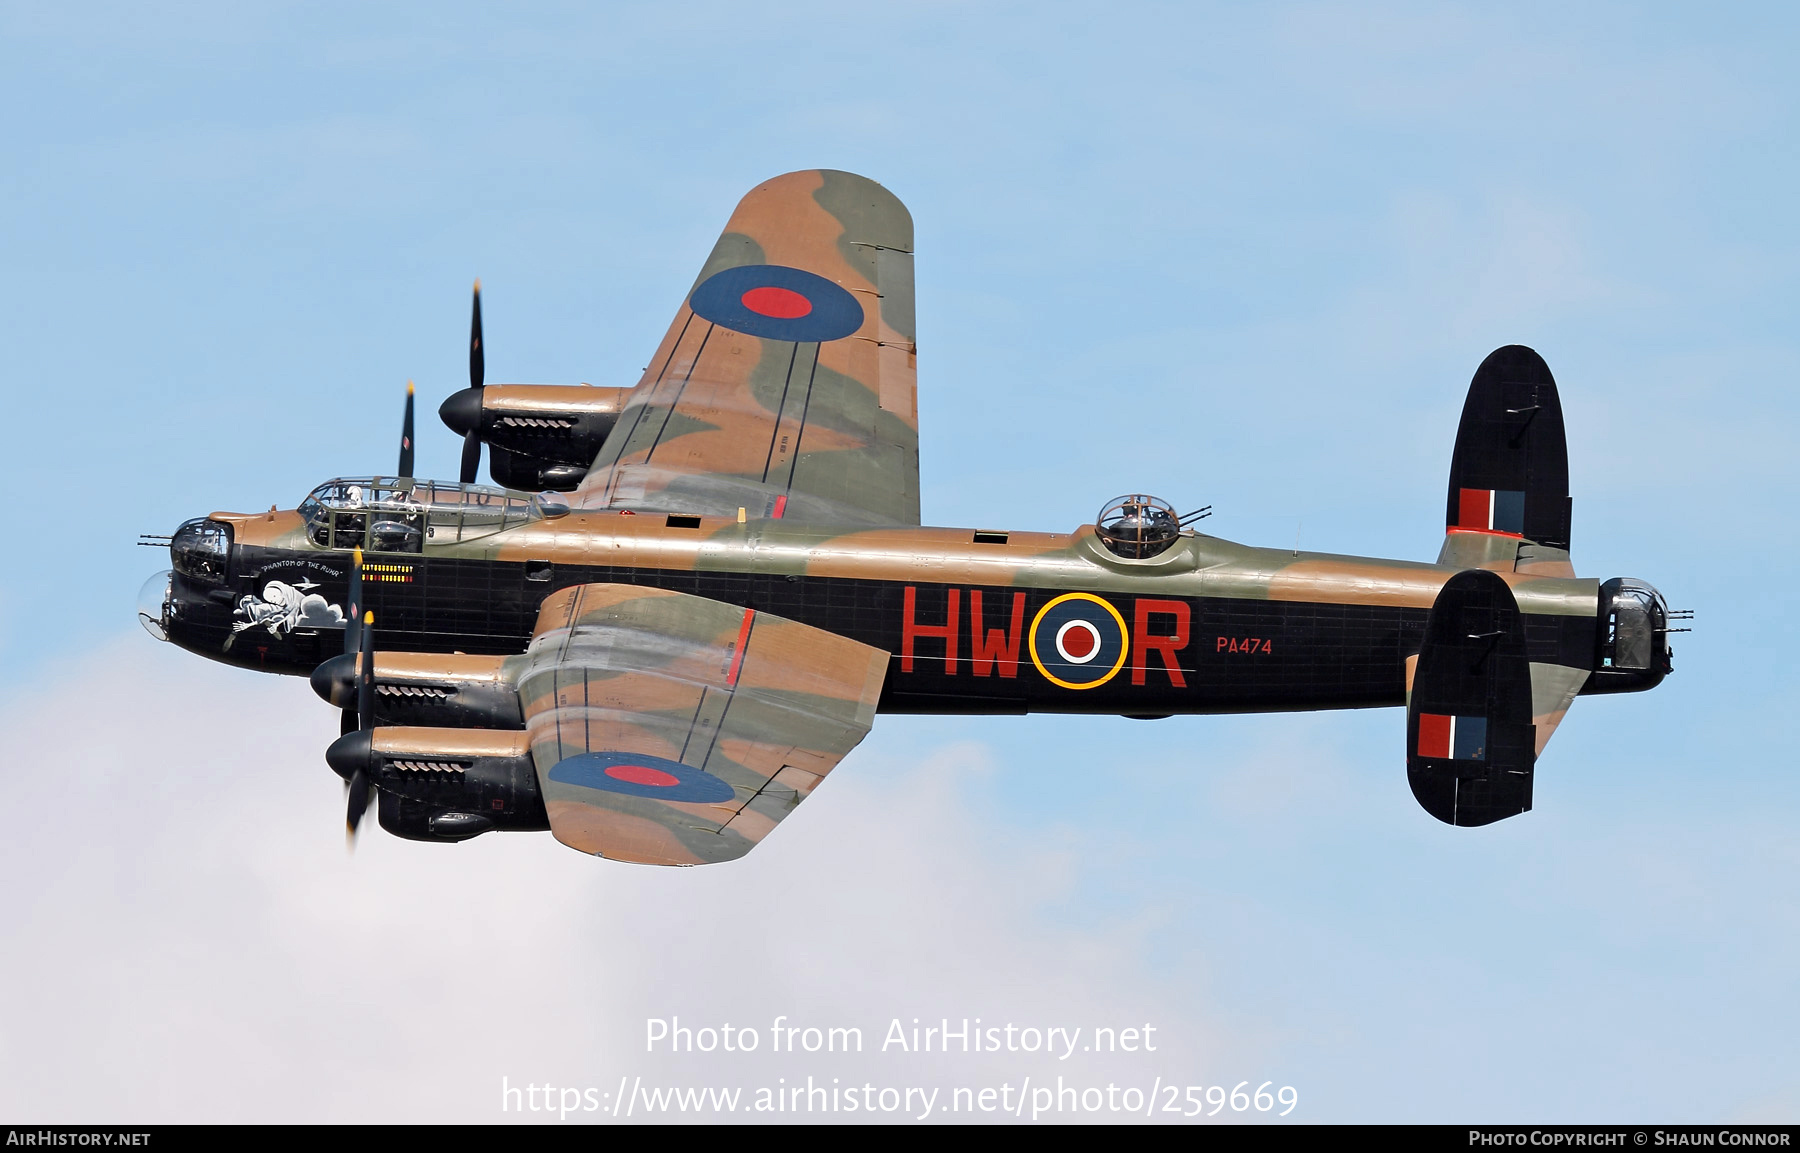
(462, 412)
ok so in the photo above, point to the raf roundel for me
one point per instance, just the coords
(640, 775)
(1078, 641)
(778, 303)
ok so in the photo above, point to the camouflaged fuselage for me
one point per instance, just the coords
(970, 618)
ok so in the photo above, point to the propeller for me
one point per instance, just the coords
(351, 754)
(353, 610)
(353, 605)
(406, 437)
(471, 457)
(357, 790)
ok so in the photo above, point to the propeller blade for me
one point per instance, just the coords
(406, 437)
(471, 457)
(477, 363)
(471, 460)
(360, 792)
(357, 803)
(353, 606)
(365, 676)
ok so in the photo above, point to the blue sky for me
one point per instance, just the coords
(1238, 255)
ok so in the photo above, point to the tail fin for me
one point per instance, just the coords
(1470, 742)
(1509, 507)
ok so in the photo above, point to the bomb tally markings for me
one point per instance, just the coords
(388, 573)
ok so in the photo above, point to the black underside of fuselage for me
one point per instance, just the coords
(1237, 655)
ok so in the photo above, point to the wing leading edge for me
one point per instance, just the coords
(786, 384)
(671, 729)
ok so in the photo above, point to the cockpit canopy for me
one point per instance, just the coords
(399, 514)
(1137, 526)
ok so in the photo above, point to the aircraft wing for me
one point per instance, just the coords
(675, 730)
(786, 385)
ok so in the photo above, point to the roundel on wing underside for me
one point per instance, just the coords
(777, 302)
(641, 775)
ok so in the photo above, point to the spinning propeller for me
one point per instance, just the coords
(353, 611)
(359, 624)
(359, 647)
(356, 790)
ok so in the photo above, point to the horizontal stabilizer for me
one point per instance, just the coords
(1509, 474)
(1470, 741)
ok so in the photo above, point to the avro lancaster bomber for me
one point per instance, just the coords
(684, 602)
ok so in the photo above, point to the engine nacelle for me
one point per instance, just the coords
(445, 784)
(540, 436)
(436, 690)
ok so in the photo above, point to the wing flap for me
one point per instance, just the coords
(671, 729)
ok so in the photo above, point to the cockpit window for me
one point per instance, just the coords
(348, 529)
(388, 514)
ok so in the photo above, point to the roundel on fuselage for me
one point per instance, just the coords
(1078, 641)
(777, 302)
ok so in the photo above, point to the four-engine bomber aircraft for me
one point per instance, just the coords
(723, 577)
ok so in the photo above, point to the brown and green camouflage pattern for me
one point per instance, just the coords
(763, 704)
(817, 431)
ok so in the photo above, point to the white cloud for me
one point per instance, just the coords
(186, 938)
